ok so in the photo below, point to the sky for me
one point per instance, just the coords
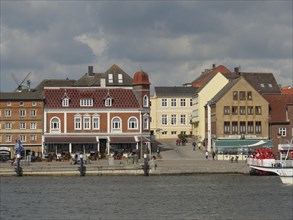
(172, 41)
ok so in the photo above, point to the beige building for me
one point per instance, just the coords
(171, 109)
(238, 111)
(203, 94)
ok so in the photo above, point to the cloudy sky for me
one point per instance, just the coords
(173, 41)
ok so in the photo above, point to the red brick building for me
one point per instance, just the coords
(100, 112)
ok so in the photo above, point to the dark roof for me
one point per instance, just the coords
(174, 91)
(55, 83)
(95, 78)
(24, 95)
(264, 83)
(223, 91)
(118, 95)
(278, 106)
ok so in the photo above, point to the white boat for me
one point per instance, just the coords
(283, 167)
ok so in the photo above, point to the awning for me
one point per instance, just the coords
(236, 143)
(66, 139)
(122, 140)
(258, 144)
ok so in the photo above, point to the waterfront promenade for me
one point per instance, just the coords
(175, 160)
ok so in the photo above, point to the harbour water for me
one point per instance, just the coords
(139, 197)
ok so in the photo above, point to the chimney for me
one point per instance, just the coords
(236, 70)
(214, 66)
(90, 70)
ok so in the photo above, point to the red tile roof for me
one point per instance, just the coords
(278, 106)
(203, 78)
(287, 90)
(121, 98)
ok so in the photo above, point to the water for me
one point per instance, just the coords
(139, 197)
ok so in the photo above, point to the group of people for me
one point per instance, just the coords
(180, 141)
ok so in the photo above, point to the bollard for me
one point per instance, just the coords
(145, 165)
(18, 168)
(82, 168)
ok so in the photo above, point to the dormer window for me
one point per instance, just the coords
(108, 102)
(65, 102)
(110, 78)
(120, 78)
(86, 102)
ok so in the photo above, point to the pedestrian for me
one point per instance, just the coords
(75, 158)
(207, 154)
(213, 155)
(158, 151)
(193, 145)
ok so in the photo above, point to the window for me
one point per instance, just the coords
(226, 110)
(270, 85)
(234, 110)
(242, 127)
(242, 95)
(183, 119)
(164, 102)
(282, 132)
(110, 78)
(55, 124)
(120, 78)
(22, 138)
(33, 113)
(164, 133)
(86, 102)
(108, 102)
(164, 120)
(86, 122)
(242, 110)
(7, 113)
(145, 101)
(33, 125)
(250, 129)
(116, 124)
(21, 103)
(173, 132)
(22, 113)
(22, 125)
(183, 102)
(249, 95)
(34, 103)
(190, 102)
(145, 122)
(77, 122)
(234, 127)
(8, 138)
(132, 123)
(7, 125)
(173, 102)
(227, 127)
(235, 95)
(33, 138)
(96, 122)
(250, 110)
(65, 102)
(173, 120)
(258, 127)
(8, 103)
(262, 85)
(258, 110)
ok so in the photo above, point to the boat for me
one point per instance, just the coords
(282, 167)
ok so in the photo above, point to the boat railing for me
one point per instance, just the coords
(269, 162)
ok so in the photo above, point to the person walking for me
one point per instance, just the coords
(193, 145)
(207, 155)
(213, 155)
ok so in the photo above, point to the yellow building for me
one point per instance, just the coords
(170, 111)
(203, 94)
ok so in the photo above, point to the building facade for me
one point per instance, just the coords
(21, 115)
(101, 113)
(171, 109)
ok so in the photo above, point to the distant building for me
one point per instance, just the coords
(100, 112)
(21, 118)
(171, 109)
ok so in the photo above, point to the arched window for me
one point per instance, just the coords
(132, 123)
(116, 124)
(77, 122)
(145, 101)
(55, 125)
(146, 122)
